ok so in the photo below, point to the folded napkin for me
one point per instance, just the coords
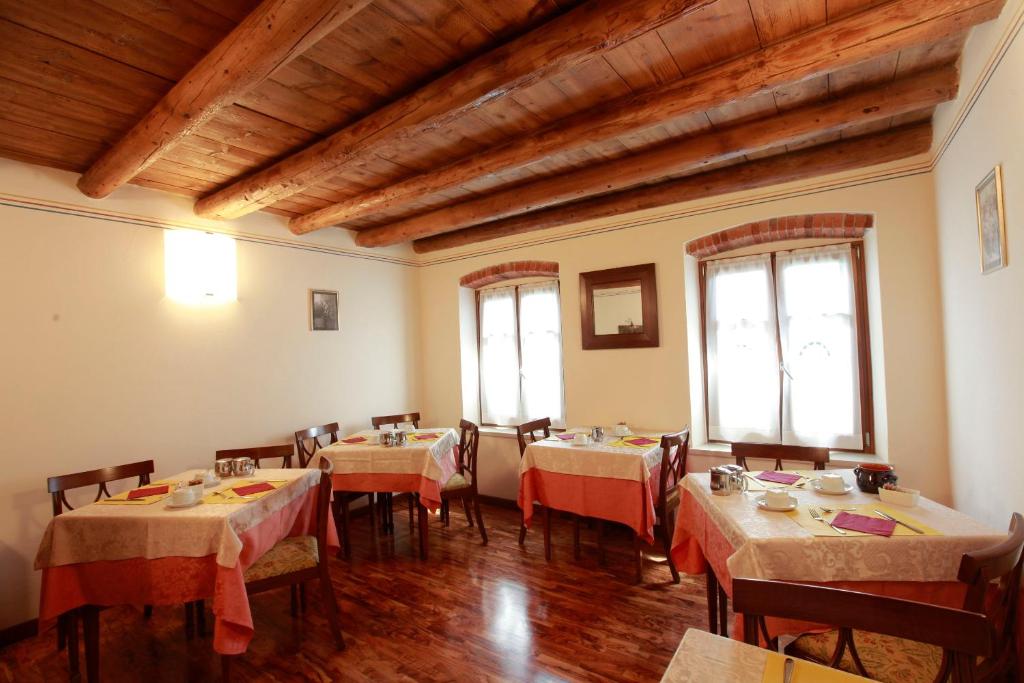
(253, 488)
(779, 477)
(867, 525)
(147, 492)
(354, 439)
(566, 437)
(640, 440)
(425, 436)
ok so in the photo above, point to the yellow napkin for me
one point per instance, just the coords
(227, 495)
(425, 436)
(804, 672)
(122, 498)
(803, 517)
(623, 443)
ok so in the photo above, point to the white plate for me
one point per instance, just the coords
(763, 504)
(172, 506)
(816, 485)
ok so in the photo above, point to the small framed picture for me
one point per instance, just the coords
(988, 196)
(323, 310)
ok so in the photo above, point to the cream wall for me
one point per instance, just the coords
(984, 314)
(650, 388)
(98, 368)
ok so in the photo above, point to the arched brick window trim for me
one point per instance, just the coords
(811, 225)
(509, 271)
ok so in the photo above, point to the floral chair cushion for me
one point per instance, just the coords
(456, 482)
(886, 658)
(290, 555)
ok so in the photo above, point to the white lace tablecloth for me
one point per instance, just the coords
(770, 545)
(433, 460)
(120, 532)
(595, 459)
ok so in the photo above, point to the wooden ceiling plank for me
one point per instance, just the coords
(778, 19)
(713, 35)
(558, 45)
(856, 39)
(812, 163)
(271, 35)
(816, 122)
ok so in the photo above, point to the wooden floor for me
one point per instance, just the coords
(470, 613)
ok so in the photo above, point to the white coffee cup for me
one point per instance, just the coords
(778, 498)
(210, 478)
(581, 438)
(183, 496)
(372, 437)
(621, 430)
(833, 483)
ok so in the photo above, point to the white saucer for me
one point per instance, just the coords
(577, 443)
(172, 506)
(816, 485)
(763, 504)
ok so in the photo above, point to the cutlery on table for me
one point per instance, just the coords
(221, 493)
(829, 511)
(787, 670)
(817, 515)
(893, 519)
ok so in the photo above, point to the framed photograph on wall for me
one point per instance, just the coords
(988, 196)
(323, 310)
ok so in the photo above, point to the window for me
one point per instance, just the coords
(520, 354)
(786, 349)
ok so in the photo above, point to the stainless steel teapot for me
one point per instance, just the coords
(727, 479)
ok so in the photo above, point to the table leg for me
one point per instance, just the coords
(600, 542)
(424, 527)
(71, 632)
(712, 595)
(91, 631)
(547, 533)
(372, 510)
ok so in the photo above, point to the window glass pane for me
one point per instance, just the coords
(499, 357)
(540, 330)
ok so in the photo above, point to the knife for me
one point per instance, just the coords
(893, 519)
(787, 670)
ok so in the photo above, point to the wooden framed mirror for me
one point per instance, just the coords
(619, 308)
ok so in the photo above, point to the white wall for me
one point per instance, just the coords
(984, 314)
(98, 368)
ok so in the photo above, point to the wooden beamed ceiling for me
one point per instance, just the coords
(450, 122)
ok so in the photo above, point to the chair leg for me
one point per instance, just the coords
(200, 607)
(225, 667)
(712, 595)
(62, 632)
(547, 533)
(71, 633)
(666, 539)
(600, 542)
(336, 511)
(638, 552)
(190, 622)
(445, 513)
(412, 511)
(372, 510)
(465, 506)
(147, 611)
(302, 597)
(91, 631)
(723, 610)
(331, 606)
(522, 531)
(345, 542)
(480, 520)
(294, 590)
(424, 530)
(576, 536)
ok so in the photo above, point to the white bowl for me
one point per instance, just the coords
(904, 497)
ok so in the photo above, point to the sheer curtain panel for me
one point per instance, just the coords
(499, 357)
(540, 339)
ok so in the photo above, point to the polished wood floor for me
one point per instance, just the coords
(469, 613)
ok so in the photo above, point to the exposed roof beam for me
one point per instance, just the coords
(836, 157)
(585, 32)
(877, 31)
(274, 33)
(678, 156)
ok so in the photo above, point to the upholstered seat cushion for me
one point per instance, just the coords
(886, 658)
(290, 555)
(456, 482)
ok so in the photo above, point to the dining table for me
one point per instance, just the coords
(138, 548)
(614, 479)
(421, 467)
(703, 657)
(728, 536)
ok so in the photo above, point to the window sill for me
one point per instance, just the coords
(508, 432)
(837, 459)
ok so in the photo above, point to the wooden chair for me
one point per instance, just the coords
(298, 559)
(674, 449)
(778, 453)
(957, 636)
(463, 484)
(992, 576)
(530, 429)
(341, 500)
(259, 453)
(387, 513)
(57, 487)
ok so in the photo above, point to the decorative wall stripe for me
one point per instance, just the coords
(509, 271)
(812, 225)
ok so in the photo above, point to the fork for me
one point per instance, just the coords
(817, 515)
(829, 511)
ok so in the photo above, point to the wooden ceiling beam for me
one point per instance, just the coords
(580, 34)
(679, 156)
(270, 36)
(880, 30)
(869, 150)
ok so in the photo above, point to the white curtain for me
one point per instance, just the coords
(499, 357)
(742, 350)
(817, 327)
(540, 338)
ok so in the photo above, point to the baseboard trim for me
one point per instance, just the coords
(499, 502)
(19, 632)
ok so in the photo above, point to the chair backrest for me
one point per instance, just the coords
(395, 420)
(674, 449)
(258, 453)
(778, 453)
(469, 446)
(962, 635)
(323, 502)
(529, 428)
(312, 435)
(1000, 565)
(57, 486)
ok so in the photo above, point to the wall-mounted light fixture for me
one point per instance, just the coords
(199, 267)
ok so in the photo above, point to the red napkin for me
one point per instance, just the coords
(779, 477)
(354, 439)
(253, 488)
(145, 493)
(566, 437)
(641, 441)
(868, 525)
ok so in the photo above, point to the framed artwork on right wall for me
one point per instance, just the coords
(988, 196)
